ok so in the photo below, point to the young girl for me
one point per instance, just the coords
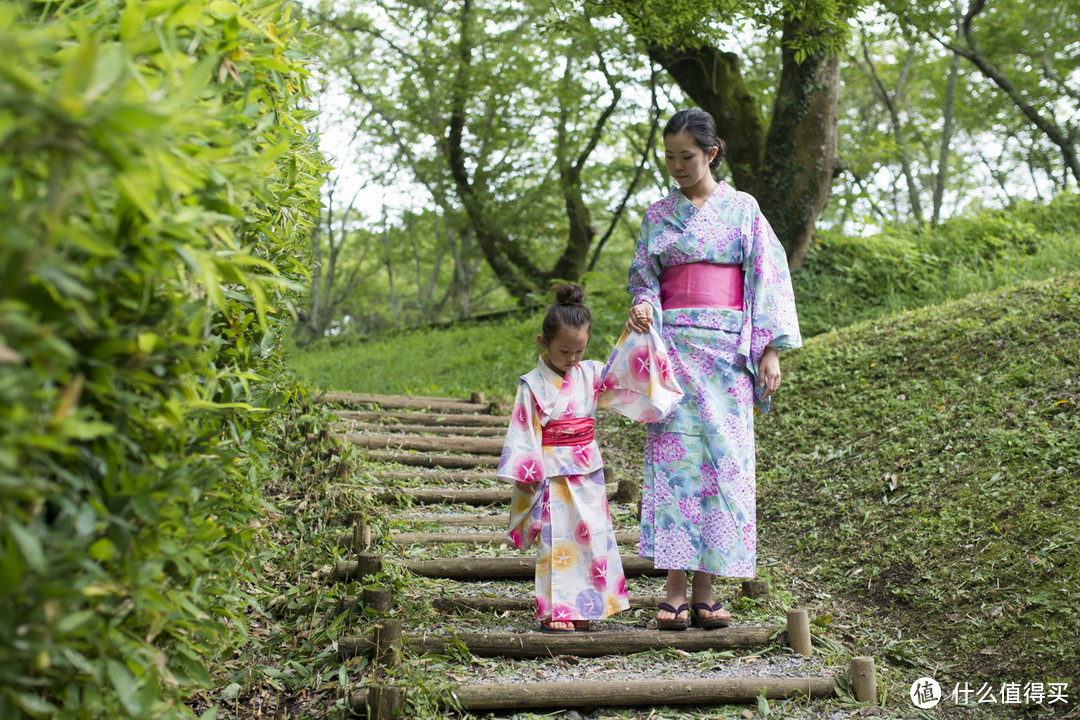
(559, 500)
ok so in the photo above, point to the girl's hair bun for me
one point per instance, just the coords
(569, 310)
(569, 294)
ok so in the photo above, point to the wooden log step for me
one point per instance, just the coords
(416, 418)
(591, 693)
(481, 538)
(405, 401)
(511, 604)
(475, 568)
(625, 693)
(478, 520)
(579, 644)
(440, 477)
(457, 462)
(425, 443)
(425, 496)
(442, 430)
(349, 540)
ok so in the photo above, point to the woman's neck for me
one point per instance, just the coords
(699, 192)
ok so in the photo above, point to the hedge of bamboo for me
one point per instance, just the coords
(157, 192)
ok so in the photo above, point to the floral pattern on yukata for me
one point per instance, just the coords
(698, 494)
(579, 573)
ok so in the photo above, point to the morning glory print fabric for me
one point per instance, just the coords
(699, 490)
(564, 513)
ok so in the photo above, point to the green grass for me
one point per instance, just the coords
(929, 463)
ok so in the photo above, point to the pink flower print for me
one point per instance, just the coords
(648, 415)
(639, 363)
(562, 613)
(519, 417)
(664, 366)
(534, 533)
(667, 448)
(582, 454)
(620, 586)
(515, 537)
(743, 389)
(543, 609)
(575, 480)
(582, 533)
(530, 469)
(608, 382)
(599, 574)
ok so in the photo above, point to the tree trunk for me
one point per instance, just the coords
(946, 138)
(789, 169)
(800, 155)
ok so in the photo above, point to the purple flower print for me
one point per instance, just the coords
(667, 448)
(719, 533)
(691, 509)
(590, 604)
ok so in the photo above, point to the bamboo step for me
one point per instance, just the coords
(426, 419)
(472, 568)
(426, 443)
(406, 401)
(579, 644)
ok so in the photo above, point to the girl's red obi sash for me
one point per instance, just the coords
(702, 285)
(568, 431)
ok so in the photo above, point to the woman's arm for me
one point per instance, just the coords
(643, 283)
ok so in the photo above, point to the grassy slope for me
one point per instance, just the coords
(930, 462)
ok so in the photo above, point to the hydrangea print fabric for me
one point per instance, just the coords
(564, 512)
(698, 494)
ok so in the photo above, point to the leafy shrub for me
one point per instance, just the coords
(848, 279)
(156, 185)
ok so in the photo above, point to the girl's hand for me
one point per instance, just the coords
(640, 318)
(769, 372)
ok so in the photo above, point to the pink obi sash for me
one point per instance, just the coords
(569, 431)
(702, 285)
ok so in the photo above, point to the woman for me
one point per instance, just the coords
(709, 270)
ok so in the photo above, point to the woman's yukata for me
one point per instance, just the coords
(718, 281)
(579, 574)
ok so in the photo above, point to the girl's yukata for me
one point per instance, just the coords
(549, 442)
(718, 281)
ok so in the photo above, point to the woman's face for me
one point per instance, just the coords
(687, 163)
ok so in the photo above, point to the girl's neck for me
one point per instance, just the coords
(551, 367)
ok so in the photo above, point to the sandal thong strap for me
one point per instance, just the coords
(705, 607)
(674, 610)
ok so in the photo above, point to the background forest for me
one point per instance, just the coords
(484, 149)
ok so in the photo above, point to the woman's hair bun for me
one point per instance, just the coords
(569, 294)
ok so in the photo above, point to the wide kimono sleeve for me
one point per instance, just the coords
(770, 300)
(644, 279)
(638, 381)
(522, 457)
(522, 461)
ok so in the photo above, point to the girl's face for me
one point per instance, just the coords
(566, 349)
(687, 163)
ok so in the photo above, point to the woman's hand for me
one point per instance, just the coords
(769, 372)
(640, 318)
